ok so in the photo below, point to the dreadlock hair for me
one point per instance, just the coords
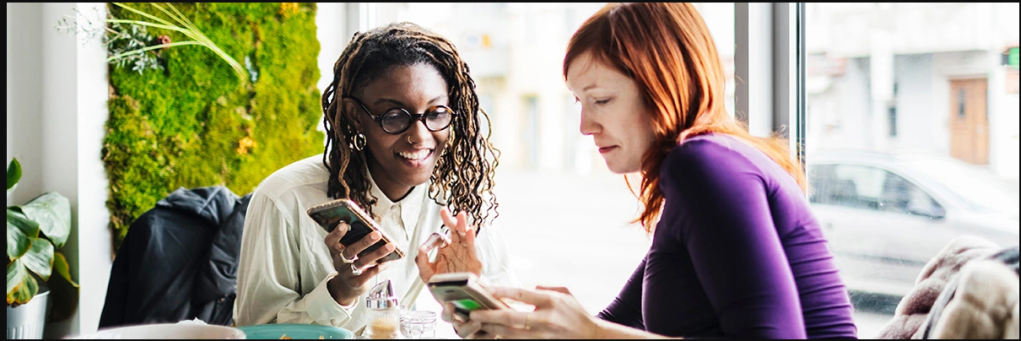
(463, 173)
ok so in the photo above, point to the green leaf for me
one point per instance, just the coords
(53, 213)
(39, 258)
(61, 267)
(13, 174)
(23, 291)
(20, 233)
(15, 272)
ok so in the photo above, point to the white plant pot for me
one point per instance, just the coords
(27, 320)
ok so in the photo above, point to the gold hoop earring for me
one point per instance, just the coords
(358, 142)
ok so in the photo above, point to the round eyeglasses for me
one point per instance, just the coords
(396, 120)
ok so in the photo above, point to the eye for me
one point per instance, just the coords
(603, 101)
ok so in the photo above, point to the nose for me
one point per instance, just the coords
(589, 125)
(418, 135)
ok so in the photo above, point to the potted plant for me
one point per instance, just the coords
(35, 231)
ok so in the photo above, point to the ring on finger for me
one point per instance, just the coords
(355, 270)
(527, 327)
(347, 261)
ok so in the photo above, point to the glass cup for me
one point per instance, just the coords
(417, 324)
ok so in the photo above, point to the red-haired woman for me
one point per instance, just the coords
(736, 251)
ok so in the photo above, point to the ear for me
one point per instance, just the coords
(352, 113)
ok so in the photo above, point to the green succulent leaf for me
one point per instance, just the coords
(61, 267)
(13, 174)
(20, 233)
(15, 272)
(23, 290)
(39, 258)
(53, 213)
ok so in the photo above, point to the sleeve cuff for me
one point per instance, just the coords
(322, 307)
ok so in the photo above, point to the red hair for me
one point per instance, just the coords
(667, 49)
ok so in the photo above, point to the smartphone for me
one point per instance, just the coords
(464, 292)
(330, 214)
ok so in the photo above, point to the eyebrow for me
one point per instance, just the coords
(399, 103)
(589, 87)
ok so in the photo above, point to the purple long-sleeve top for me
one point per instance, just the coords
(737, 253)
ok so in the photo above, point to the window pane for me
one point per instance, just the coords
(924, 95)
(551, 178)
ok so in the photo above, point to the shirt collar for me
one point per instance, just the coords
(411, 204)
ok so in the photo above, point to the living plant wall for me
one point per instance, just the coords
(189, 115)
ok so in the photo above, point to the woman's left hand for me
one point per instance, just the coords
(458, 256)
(557, 314)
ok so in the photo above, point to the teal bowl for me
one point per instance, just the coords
(295, 331)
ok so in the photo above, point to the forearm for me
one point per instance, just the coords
(610, 330)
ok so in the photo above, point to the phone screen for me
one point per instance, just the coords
(466, 304)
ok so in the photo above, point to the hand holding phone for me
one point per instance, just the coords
(330, 214)
(462, 290)
(356, 245)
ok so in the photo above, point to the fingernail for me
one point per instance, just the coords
(374, 236)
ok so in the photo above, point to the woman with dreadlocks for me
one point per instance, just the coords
(404, 140)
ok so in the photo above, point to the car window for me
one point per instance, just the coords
(847, 185)
(901, 196)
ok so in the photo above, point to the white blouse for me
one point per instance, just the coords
(284, 263)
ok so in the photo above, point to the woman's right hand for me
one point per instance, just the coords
(348, 284)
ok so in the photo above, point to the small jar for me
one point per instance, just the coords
(384, 313)
(418, 324)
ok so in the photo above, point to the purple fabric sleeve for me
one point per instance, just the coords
(733, 243)
(737, 253)
(626, 307)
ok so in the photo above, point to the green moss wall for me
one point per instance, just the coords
(195, 125)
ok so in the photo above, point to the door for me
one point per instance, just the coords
(969, 124)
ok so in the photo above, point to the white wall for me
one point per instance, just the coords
(24, 79)
(58, 140)
(95, 245)
(919, 125)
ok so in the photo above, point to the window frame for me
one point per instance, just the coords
(770, 90)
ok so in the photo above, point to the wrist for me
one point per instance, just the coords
(599, 329)
(336, 288)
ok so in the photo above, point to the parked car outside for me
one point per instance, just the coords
(886, 215)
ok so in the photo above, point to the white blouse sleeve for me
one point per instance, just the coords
(268, 285)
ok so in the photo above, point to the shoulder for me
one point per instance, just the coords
(305, 178)
(708, 156)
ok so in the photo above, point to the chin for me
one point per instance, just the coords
(615, 168)
(622, 167)
(419, 179)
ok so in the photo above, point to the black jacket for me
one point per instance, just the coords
(179, 261)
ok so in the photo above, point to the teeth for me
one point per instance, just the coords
(416, 155)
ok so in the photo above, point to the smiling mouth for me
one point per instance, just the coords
(417, 155)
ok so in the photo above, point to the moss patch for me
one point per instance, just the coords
(194, 125)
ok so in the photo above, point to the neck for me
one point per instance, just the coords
(392, 189)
